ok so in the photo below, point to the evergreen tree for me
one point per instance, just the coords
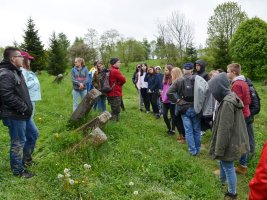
(57, 60)
(33, 45)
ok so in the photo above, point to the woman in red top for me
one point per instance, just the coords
(115, 95)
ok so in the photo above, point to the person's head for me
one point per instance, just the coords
(167, 79)
(13, 55)
(200, 66)
(79, 62)
(115, 62)
(176, 73)
(188, 68)
(138, 68)
(233, 70)
(219, 86)
(151, 70)
(213, 73)
(220, 70)
(27, 60)
(157, 69)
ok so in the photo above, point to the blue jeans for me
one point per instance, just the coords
(101, 103)
(192, 130)
(76, 94)
(23, 136)
(227, 173)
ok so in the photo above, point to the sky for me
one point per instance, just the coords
(132, 18)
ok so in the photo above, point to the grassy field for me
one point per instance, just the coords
(138, 161)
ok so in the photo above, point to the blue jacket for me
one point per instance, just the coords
(153, 81)
(79, 76)
(33, 84)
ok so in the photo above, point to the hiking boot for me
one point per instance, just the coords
(241, 169)
(230, 196)
(25, 174)
(181, 139)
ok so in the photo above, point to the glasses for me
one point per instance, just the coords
(20, 56)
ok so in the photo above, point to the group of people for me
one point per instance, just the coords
(199, 101)
(84, 81)
(19, 90)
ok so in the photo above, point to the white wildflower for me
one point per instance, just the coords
(135, 192)
(71, 181)
(68, 175)
(131, 183)
(87, 167)
(60, 176)
(66, 170)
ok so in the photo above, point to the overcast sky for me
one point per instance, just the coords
(132, 18)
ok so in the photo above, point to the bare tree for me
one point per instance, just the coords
(91, 38)
(181, 31)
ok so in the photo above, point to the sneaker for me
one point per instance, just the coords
(230, 196)
(147, 111)
(25, 174)
(157, 116)
(241, 169)
(141, 110)
(171, 132)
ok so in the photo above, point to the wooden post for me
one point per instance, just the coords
(59, 78)
(95, 138)
(99, 121)
(86, 105)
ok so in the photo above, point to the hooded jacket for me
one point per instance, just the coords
(15, 99)
(229, 133)
(116, 75)
(240, 87)
(202, 71)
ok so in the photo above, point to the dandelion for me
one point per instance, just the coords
(76, 182)
(131, 183)
(71, 181)
(87, 167)
(68, 175)
(135, 192)
(60, 176)
(66, 170)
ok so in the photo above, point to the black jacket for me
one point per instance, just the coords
(15, 100)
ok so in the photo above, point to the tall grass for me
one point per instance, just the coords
(138, 150)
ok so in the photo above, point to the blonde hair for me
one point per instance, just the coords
(81, 60)
(235, 67)
(176, 73)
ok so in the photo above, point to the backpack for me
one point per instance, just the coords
(104, 82)
(255, 104)
(188, 88)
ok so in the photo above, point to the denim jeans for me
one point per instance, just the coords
(192, 130)
(227, 173)
(23, 136)
(101, 103)
(76, 94)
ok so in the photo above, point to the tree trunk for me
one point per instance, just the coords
(86, 105)
(99, 121)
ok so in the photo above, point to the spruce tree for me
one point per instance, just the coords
(57, 60)
(33, 45)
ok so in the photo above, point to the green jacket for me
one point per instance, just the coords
(229, 133)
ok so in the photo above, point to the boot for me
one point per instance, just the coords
(230, 196)
(240, 169)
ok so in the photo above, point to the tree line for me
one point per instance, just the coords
(232, 37)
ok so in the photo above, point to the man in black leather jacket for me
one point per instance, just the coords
(15, 109)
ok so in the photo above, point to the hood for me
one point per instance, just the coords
(234, 99)
(239, 78)
(202, 64)
(219, 86)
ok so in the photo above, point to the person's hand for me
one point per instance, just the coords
(81, 86)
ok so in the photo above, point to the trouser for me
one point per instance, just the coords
(153, 98)
(227, 173)
(23, 136)
(166, 107)
(76, 95)
(145, 97)
(115, 105)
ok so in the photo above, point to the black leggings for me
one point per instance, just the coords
(165, 109)
(145, 98)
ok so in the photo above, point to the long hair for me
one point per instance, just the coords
(26, 64)
(176, 73)
(167, 78)
(142, 71)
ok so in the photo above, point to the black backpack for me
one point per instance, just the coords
(188, 88)
(104, 82)
(255, 104)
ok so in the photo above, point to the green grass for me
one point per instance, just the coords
(137, 150)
